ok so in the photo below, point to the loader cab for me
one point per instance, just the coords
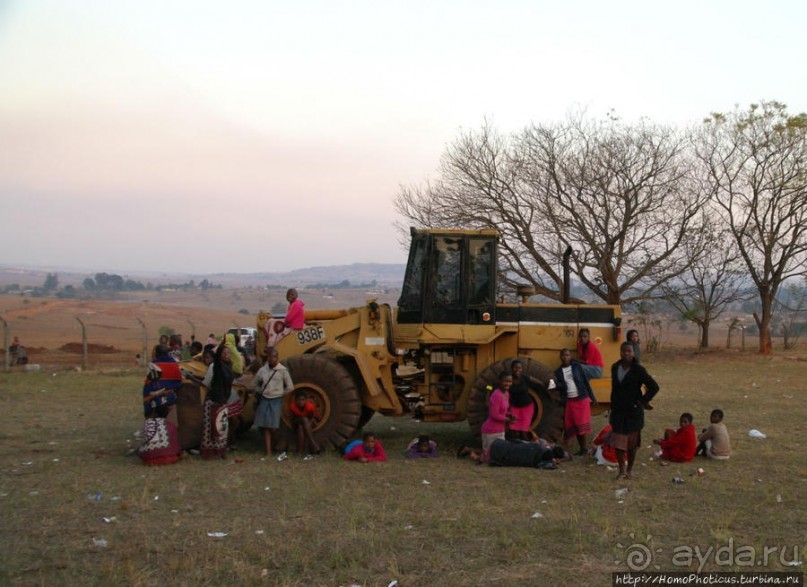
(450, 278)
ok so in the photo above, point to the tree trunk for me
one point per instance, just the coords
(764, 323)
(704, 334)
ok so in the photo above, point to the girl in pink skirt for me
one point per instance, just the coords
(522, 407)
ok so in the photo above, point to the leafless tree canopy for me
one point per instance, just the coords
(755, 169)
(619, 194)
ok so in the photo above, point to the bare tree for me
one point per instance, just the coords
(755, 169)
(714, 279)
(619, 194)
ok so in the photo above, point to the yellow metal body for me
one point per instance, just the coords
(376, 349)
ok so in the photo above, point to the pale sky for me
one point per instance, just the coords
(246, 136)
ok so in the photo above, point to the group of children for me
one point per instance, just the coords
(681, 445)
(369, 449)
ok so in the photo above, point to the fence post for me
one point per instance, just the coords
(84, 353)
(6, 354)
(144, 353)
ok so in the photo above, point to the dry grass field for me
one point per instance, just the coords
(75, 509)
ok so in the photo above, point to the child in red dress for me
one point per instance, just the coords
(679, 445)
(304, 417)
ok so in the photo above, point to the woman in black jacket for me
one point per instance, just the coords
(628, 403)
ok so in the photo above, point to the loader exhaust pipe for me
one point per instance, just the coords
(567, 286)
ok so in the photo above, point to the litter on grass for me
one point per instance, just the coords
(424, 482)
(537, 515)
(754, 433)
(110, 520)
(621, 492)
(217, 534)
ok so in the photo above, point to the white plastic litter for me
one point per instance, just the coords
(393, 583)
(217, 534)
(174, 511)
(537, 515)
(424, 482)
(258, 532)
(408, 527)
(621, 492)
(266, 488)
(156, 498)
(778, 499)
(754, 433)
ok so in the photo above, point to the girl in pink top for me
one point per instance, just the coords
(498, 407)
(295, 315)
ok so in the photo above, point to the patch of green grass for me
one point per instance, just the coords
(328, 522)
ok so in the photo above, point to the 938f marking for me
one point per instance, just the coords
(311, 334)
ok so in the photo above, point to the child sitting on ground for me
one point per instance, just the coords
(366, 450)
(303, 419)
(714, 440)
(421, 447)
(679, 445)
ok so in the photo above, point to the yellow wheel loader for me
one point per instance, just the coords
(439, 353)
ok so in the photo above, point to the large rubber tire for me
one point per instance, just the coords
(366, 415)
(334, 392)
(547, 421)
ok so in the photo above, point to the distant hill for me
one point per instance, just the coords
(388, 274)
(357, 273)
